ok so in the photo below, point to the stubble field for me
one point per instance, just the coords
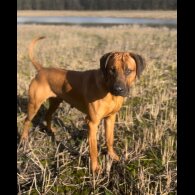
(145, 129)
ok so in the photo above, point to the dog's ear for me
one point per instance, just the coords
(103, 61)
(140, 63)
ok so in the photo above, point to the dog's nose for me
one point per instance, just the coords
(118, 88)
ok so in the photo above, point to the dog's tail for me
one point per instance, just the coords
(36, 64)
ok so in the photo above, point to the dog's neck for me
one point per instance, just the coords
(101, 80)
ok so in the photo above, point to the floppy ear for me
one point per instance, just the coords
(103, 62)
(140, 63)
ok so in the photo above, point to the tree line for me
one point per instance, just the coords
(96, 4)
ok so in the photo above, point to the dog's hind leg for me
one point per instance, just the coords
(37, 95)
(53, 105)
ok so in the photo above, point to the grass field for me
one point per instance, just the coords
(145, 130)
(125, 13)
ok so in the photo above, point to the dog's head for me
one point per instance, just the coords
(120, 70)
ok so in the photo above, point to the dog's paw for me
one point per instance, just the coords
(24, 138)
(23, 141)
(114, 156)
(53, 129)
(95, 167)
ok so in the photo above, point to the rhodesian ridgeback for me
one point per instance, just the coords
(97, 93)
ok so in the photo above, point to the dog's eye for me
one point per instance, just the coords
(112, 70)
(127, 72)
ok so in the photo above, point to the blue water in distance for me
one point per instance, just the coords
(93, 20)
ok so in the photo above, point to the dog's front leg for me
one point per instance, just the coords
(109, 130)
(93, 127)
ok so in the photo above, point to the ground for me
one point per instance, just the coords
(145, 129)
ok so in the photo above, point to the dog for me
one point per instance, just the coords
(97, 93)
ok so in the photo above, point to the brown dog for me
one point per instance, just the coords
(97, 93)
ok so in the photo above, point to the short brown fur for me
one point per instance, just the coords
(97, 93)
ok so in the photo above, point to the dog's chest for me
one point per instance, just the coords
(117, 103)
(114, 105)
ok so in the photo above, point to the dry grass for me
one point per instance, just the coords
(124, 13)
(145, 130)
